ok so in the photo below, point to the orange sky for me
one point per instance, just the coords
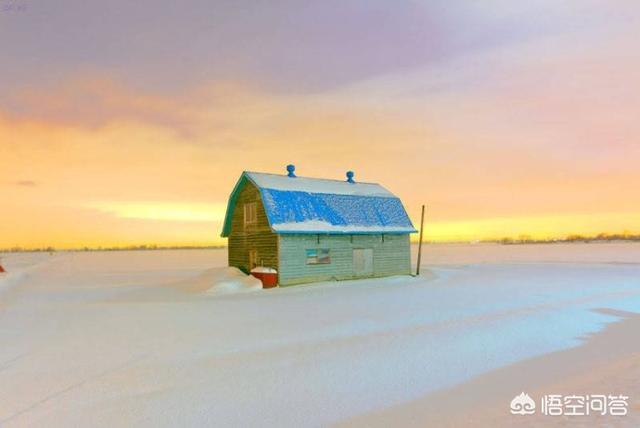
(536, 136)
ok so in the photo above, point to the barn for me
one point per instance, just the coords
(311, 229)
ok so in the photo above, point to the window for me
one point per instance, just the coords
(250, 213)
(318, 256)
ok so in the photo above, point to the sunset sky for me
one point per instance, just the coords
(129, 122)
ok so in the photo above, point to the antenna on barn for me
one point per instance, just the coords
(350, 177)
(420, 242)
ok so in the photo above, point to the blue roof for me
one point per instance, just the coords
(310, 205)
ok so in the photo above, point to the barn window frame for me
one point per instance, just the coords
(318, 256)
(250, 213)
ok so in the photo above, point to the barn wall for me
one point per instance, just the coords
(257, 236)
(390, 257)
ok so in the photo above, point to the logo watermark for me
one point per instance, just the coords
(9, 6)
(523, 405)
(572, 405)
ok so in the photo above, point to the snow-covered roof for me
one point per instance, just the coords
(314, 205)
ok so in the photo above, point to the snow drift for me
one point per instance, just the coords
(231, 280)
(217, 281)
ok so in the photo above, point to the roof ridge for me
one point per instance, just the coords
(312, 178)
(390, 196)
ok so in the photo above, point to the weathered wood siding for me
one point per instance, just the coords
(391, 256)
(258, 236)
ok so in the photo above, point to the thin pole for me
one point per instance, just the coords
(420, 243)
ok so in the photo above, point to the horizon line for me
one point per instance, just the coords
(522, 239)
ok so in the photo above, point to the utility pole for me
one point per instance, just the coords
(420, 243)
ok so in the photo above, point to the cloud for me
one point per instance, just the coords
(25, 183)
(95, 101)
(163, 211)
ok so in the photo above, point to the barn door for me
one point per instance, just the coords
(253, 258)
(363, 261)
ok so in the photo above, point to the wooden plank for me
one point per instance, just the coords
(257, 236)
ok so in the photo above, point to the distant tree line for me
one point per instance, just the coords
(152, 247)
(601, 237)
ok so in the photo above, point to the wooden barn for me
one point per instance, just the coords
(311, 229)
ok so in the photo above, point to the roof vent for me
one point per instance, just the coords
(350, 177)
(290, 170)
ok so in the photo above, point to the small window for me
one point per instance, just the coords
(250, 213)
(318, 257)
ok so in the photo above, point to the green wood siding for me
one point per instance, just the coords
(391, 256)
(244, 238)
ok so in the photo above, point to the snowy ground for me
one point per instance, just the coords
(124, 338)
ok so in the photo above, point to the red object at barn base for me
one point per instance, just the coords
(268, 276)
